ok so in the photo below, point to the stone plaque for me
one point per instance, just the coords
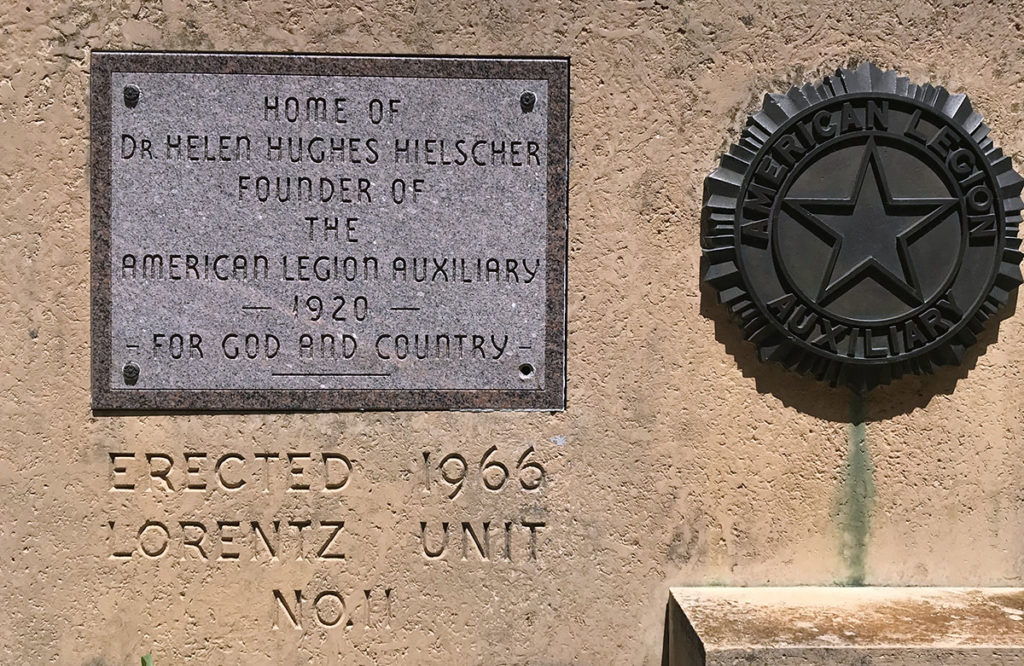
(328, 232)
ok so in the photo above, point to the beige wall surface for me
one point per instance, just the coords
(679, 461)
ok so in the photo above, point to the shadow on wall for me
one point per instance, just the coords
(820, 400)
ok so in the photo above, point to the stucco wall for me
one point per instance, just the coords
(680, 459)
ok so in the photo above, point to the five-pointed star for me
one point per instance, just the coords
(870, 233)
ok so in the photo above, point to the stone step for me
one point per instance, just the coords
(862, 626)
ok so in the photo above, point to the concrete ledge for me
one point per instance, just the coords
(844, 625)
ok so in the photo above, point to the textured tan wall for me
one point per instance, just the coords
(676, 467)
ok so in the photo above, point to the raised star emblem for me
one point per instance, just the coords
(870, 232)
(863, 227)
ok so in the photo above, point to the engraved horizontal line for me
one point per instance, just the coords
(132, 346)
(525, 347)
(255, 307)
(409, 309)
(330, 374)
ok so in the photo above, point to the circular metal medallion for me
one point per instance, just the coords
(862, 228)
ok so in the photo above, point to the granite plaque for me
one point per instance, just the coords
(307, 232)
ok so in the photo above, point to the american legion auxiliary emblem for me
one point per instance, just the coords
(863, 228)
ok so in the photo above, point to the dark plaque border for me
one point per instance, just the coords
(555, 70)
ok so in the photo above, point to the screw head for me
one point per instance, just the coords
(131, 373)
(526, 101)
(131, 96)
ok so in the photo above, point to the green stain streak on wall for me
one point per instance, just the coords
(856, 496)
